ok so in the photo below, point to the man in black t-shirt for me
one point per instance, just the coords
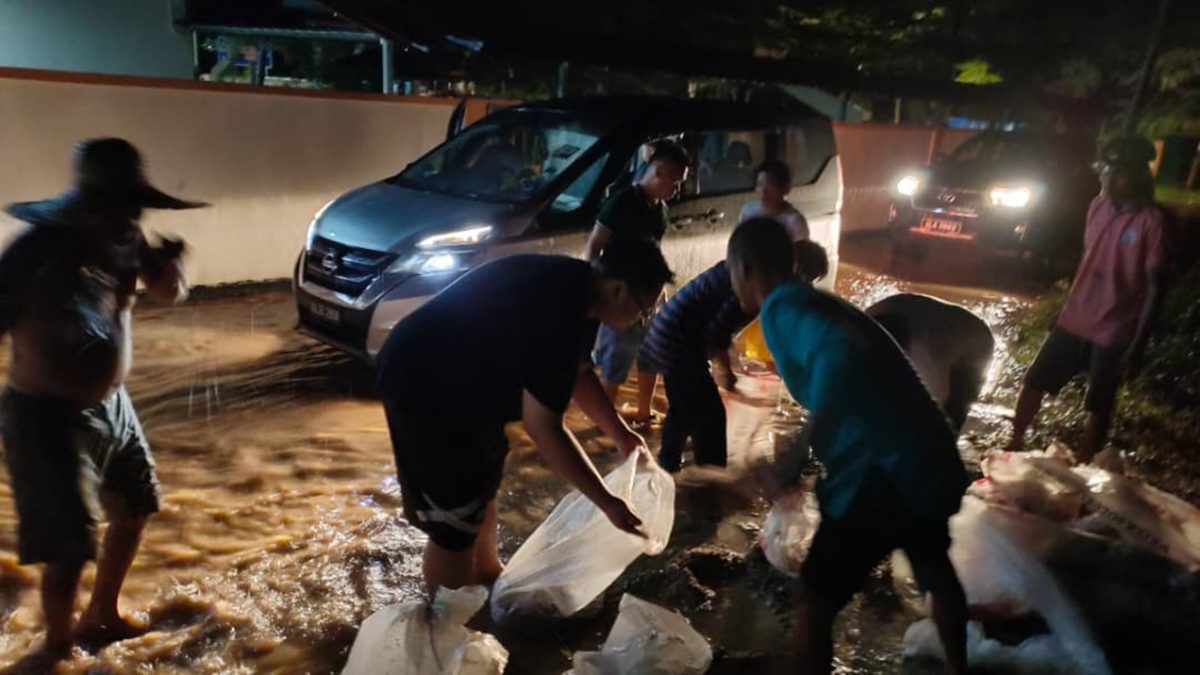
(508, 341)
(636, 212)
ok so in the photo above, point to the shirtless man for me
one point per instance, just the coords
(72, 440)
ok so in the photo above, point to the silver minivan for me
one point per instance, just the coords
(531, 179)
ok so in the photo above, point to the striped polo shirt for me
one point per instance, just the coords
(700, 318)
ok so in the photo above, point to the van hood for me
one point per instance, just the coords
(386, 217)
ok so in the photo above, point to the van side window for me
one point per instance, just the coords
(724, 161)
(578, 191)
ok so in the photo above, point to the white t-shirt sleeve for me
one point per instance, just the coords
(796, 224)
(749, 210)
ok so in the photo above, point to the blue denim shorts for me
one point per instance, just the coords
(615, 351)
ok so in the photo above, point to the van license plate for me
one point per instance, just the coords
(941, 225)
(324, 312)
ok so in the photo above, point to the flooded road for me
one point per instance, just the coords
(280, 529)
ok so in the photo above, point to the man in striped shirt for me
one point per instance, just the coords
(697, 324)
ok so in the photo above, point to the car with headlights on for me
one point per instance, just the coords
(530, 179)
(1019, 192)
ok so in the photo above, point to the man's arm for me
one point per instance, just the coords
(1137, 346)
(718, 337)
(590, 397)
(596, 241)
(162, 272)
(562, 452)
(1153, 264)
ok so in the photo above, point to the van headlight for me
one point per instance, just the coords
(1014, 197)
(431, 262)
(463, 237)
(908, 185)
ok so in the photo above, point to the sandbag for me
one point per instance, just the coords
(788, 531)
(647, 640)
(419, 638)
(1094, 500)
(997, 553)
(1038, 655)
(572, 557)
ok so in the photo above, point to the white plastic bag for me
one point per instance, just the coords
(789, 529)
(997, 553)
(418, 639)
(1038, 655)
(1094, 500)
(647, 640)
(576, 553)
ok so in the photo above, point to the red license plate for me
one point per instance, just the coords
(942, 227)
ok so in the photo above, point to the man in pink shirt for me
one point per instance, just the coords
(1103, 326)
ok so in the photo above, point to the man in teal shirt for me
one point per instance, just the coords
(892, 477)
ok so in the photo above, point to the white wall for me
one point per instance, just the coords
(266, 161)
(123, 37)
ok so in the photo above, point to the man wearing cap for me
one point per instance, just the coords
(72, 440)
(1104, 324)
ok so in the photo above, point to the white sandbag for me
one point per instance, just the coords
(1094, 500)
(647, 640)
(576, 553)
(418, 639)
(1018, 479)
(997, 554)
(788, 531)
(1038, 655)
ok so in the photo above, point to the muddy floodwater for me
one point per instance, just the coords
(280, 529)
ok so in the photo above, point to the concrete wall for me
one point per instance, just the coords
(123, 37)
(266, 159)
(873, 157)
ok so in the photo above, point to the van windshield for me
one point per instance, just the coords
(508, 158)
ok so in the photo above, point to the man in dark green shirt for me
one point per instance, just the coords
(636, 212)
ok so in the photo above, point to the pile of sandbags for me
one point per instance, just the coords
(1105, 564)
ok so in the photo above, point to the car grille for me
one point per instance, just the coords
(951, 201)
(343, 269)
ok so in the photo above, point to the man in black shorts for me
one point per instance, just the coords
(72, 440)
(1103, 326)
(509, 341)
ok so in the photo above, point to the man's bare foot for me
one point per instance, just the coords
(41, 659)
(93, 634)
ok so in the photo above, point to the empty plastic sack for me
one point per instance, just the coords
(788, 531)
(576, 553)
(647, 640)
(417, 638)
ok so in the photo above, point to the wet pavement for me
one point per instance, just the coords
(280, 529)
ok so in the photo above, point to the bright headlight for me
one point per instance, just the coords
(429, 262)
(463, 237)
(1012, 197)
(908, 185)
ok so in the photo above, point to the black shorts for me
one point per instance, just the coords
(448, 471)
(844, 551)
(66, 464)
(1063, 356)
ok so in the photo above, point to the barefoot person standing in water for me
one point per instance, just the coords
(72, 441)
